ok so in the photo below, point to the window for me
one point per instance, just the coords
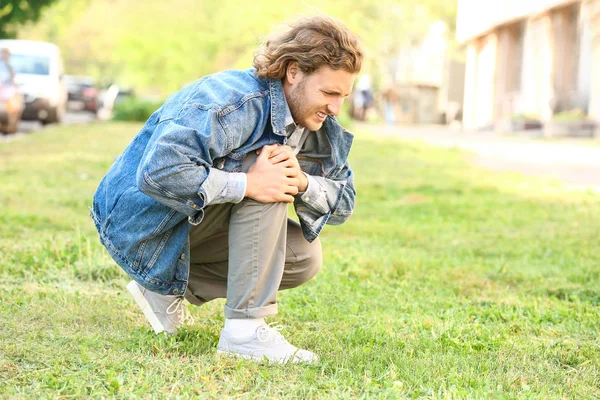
(30, 64)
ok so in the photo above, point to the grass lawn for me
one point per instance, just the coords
(448, 282)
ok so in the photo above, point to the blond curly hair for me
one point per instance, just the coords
(311, 42)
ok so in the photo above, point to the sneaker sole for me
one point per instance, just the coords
(291, 360)
(225, 353)
(143, 304)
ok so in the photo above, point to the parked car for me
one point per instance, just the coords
(82, 91)
(39, 71)
(11, 100)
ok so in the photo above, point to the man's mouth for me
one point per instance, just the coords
(321, 115)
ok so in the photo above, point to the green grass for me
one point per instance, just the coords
(448, 282)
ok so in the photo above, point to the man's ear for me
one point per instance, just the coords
(291, 72)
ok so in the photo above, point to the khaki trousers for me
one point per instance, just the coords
(246, 252)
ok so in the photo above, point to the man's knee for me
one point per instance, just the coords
(249, 209)
(308, 265)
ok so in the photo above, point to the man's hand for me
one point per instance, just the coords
(284, 156)
(269, 182)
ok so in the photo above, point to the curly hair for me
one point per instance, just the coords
(312, 42)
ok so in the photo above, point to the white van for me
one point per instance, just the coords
(38, 70)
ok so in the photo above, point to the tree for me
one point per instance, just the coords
(17, 12)
(162, 45)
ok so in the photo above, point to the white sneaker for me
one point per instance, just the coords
(266, 343)
(165, 313)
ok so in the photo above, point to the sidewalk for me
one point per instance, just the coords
(575, 164)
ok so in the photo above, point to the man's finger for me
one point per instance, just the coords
(283, 149)
(290, 169)
(286, 148)
(280, 155)
(284, 164)
(277, 158)
(293, 190)
(288, 162)
(266, 151)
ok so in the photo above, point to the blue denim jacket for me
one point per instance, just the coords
(155, 189)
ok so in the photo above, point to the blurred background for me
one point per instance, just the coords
(528, 66)
(449, 281)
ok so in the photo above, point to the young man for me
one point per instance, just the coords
(196, 206)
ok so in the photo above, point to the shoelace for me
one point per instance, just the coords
(178, 308)
(271, 332)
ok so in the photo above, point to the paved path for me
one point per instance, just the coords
(576, 164)
(27, 127)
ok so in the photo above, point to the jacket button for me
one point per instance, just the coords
(176, 291)
(195, 206)
(182, 257)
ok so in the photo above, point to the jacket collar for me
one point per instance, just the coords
(340, 138)
(279, 107)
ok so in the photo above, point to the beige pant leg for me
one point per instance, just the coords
(269, 250)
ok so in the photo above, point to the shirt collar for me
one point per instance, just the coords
(288, 120)
(290, 125)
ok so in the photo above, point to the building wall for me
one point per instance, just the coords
(451, 93)
(539, 65)
(584, 73)
(470, 85)
(509, 67)
(565, 58)
(477, 17)
(424, 80)
(536, 81)
(486, 70)
(594, 23)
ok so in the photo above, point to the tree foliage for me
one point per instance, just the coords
(159, 46)
(14, 13)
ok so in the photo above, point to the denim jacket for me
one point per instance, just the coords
(155, 189)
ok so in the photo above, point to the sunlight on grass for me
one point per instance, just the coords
(449, 281)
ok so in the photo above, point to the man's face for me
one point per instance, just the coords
(312, 97)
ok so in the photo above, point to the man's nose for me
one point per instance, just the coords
(335, 106)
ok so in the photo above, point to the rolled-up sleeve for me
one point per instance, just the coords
(224, 187)
(326, 200)
(315, 195)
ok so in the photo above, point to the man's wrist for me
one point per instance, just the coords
(303, 183)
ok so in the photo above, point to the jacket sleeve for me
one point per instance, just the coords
(178, 160)
(327, 200)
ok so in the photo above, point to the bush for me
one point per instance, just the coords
(135, 109)
(524, 117)
(570, 115)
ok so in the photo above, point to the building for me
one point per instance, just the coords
(529, 58)
(425, 84)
